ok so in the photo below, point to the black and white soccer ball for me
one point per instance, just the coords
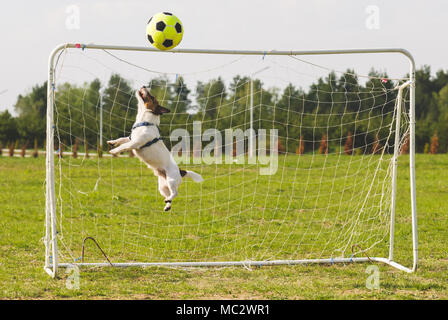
(164, 31)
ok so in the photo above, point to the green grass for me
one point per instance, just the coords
(302, 211)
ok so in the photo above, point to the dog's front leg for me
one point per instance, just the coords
(125, 147)
(119, 141)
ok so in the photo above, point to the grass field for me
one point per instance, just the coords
(236, 215)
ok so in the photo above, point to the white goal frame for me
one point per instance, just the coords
(51, 242)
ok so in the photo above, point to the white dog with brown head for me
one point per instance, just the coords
(146, 143)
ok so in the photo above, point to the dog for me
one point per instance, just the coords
(146, 143)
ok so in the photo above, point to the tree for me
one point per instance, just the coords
(32, 109)
(323, 148)
(301, 147)
(423, 92)
(181, 103)
(8, 128)
(76, 112)
(211, 96)
(434, 144)
(348, 147)
(441, 124)
(376, 147)
(235, 111)
(119, 107)
(288, 107)
(335, 105)
(405, 146)
(35, 101)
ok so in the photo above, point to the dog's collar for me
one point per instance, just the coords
(145, 124)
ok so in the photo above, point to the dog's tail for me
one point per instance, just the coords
(190, 174)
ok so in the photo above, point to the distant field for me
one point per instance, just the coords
(300, 212)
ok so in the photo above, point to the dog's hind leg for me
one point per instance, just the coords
(173, 183)
(172, 186)
(164, 191)
(163, 187)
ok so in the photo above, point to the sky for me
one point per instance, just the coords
(31, 29)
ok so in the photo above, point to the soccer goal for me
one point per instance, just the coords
(308, 157)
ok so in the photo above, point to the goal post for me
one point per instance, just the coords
(293, 220)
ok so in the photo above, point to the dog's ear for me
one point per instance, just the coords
(162, 110)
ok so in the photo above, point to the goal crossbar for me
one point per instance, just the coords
(51, 243)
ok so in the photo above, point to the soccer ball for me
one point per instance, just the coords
(164, 30)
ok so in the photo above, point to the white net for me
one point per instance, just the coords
(328, 193)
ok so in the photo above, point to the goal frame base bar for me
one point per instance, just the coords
(51, 235)
(248, 263)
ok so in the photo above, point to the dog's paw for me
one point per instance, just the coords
(114, 151)
(111, 142)
(167, 206)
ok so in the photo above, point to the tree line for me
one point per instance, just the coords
(337, 113)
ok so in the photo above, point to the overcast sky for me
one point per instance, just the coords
(31, 29)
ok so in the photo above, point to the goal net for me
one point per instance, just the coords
(298, 151)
